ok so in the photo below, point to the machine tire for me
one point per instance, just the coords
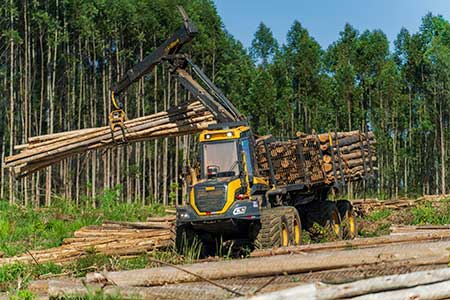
(181, 237)
(333, 218)
(348, 219)
(270, 232)
(297, 232)
(294, 223)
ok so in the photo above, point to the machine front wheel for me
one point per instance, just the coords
(184, 240)
(271, 230)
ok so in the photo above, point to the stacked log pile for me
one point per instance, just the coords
(429, 284)
(411, 230)
(110, 238)
(322, 158)
(42, 151)
(145, 282)
(433, 284)
(365, 207)
(374, 242)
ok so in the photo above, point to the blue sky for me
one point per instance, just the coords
(326, 18)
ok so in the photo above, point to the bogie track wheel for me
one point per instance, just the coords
(348, 219)
(285, 238)
(296, 229)
(334, 219)
(294, 225)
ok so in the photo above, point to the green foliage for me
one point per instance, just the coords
(23, 229)
(321, 234)
(91, 262)
(172, 194)
(12, 274)
(376, 230)
(427, 214)
(379, 215)
(22, 295)
(264, 45)
(402, 95)
(224, 250)
(191, 249)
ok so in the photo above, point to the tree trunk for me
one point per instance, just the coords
(165, 146)
(442, 144)
(11, 104)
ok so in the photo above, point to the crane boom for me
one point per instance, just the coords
(209, 94)
(170, 47)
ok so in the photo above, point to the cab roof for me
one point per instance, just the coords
(223, 134)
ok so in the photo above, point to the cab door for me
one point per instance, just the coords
(245, 144)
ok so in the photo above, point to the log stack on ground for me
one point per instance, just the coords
(111, 238)
(341, 262)
(388, 256)
(330, 262)
(45, 150)
(433, 284)
(428, 284)
(367, 206)
(317, 158)
(414, 230)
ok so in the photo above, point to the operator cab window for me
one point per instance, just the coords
(220, 159)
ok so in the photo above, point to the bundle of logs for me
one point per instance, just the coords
(122, 239)
(45, 150)
(317, 158)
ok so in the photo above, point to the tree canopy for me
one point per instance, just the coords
(58, 59)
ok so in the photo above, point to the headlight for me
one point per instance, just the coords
(207, 136)
(229, 134)
(184, 215)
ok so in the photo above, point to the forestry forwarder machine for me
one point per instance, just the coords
(228, 198)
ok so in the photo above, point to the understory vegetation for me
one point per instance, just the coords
(378, 222)
(23, 229)
(26, 228)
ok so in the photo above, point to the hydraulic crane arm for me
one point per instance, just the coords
(170, 47)
(211, 96)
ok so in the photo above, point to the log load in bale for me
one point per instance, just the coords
(45, 150)
(317, 158)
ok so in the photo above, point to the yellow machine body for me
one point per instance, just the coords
(238, 185)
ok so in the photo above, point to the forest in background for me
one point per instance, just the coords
(58, 59)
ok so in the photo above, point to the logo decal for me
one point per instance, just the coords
(239, 210)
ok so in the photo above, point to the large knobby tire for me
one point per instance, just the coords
(348, 219)
(181, 237)
(270, 233)
(333, 219)
(294, 223)
(297, 232)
